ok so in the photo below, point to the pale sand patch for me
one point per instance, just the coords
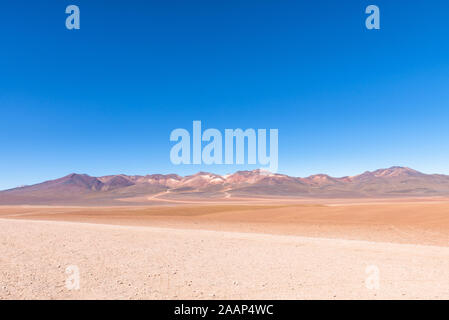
(121, 262)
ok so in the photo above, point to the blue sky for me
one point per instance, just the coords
(104, 99)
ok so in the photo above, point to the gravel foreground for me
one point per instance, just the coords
(39, 260)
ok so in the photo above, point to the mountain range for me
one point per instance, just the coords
(82, 189)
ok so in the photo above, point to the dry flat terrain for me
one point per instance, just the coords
(322, 250)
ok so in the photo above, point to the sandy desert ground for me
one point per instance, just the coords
(334, 250)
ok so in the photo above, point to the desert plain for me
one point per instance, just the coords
(264, 249)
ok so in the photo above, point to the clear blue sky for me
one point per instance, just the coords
(104, 99)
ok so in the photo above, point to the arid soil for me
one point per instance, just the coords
(328, 250)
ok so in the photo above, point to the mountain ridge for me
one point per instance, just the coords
(82, 188)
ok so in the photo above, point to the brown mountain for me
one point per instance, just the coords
(81, 189)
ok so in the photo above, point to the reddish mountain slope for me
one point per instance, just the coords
(84, 189)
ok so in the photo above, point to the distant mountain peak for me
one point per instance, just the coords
(395, 171)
